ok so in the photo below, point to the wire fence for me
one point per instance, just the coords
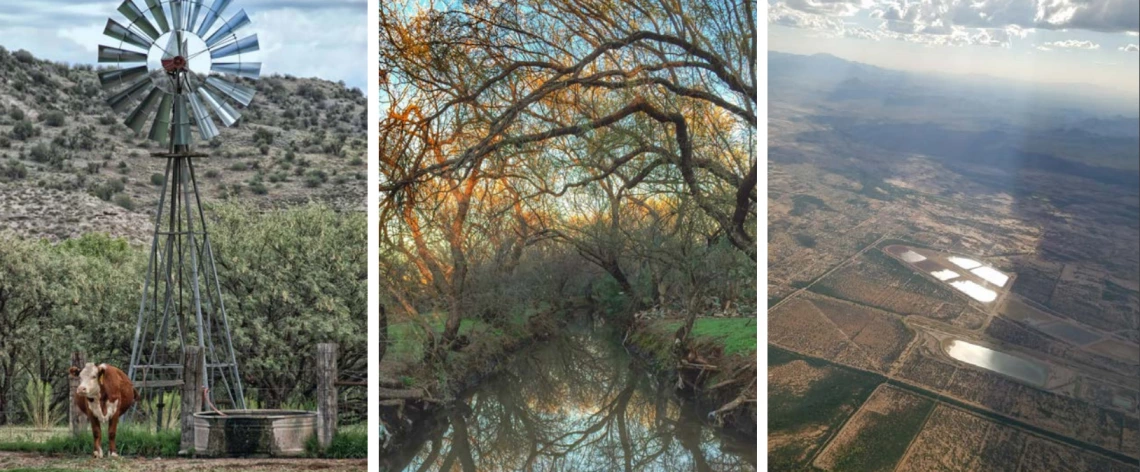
(43, 403)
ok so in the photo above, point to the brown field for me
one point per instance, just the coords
(1108, 396)
(927, 371)
(795, 377)
(958, 441)
(1047, 456)
(870, 283)
(1017, 309)
(800, 326)
(881, 335)
(1130, 437)
(1117, 349)
(1064, 415)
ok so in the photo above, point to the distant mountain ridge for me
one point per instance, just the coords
(846, 79)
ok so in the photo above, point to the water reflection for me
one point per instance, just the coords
(1031, 372)
(576, 403)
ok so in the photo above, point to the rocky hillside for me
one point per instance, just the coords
(69, 165)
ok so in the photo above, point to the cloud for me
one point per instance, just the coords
(1130, 48)
(980, 22)
(827, 7)
(1070, 44)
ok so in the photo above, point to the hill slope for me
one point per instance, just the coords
(69, 165)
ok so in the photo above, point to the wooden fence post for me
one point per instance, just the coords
(192, 378)
(326, 393)
(75, 418)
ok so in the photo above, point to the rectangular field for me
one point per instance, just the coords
(807, 400)
(878, 435)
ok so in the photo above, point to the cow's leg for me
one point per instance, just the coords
(97, 432)
(112, 409)
(112, 427)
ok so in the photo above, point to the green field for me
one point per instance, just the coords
(882, 443)
(828, 402)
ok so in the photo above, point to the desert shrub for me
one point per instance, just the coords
(24, 56)
(23, 130)
(49, 154)
(16, 113)
(123, 200)
(108, 189)
(55, 118)
(262, 137)
(157, 179)
(13, 170)
(314, 178)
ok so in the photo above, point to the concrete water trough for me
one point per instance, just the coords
(253, 432)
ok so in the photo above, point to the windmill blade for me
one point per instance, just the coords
(135, 16)
(249, 70)
(241, 46)
(159, 14)
(239, 93)
(181, 122)
(214, 12)
(110, 54)
(178, 15)
(119, 100)
(223, 110)
(124, 34)
(160, 129)
(138, 117)
(206, 127)
(229, 29)
(111, 78)
(195, 8)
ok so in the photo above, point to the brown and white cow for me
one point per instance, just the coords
(104, 394)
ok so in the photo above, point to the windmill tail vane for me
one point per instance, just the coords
(178, 65)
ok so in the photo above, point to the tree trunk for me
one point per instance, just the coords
(383, 348)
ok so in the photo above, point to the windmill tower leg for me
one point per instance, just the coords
(182, 303)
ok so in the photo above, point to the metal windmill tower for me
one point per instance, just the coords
(171, 62)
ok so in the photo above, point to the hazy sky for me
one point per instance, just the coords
(1061, 41)
(304, 38)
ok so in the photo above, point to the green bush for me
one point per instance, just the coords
(348, 443)
(123, 200)
(55, 118)
(13, 170)
(314, 178)
(157, 179)
(108, 189)
(23, 130)
(16, 113)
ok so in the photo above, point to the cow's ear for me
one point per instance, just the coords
(73, 371)
(102, 370)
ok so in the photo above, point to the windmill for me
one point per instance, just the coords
(181, 62)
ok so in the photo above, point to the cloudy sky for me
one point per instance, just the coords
(304, 38)
(1059, 41)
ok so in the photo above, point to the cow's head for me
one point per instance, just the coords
(89, 379)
